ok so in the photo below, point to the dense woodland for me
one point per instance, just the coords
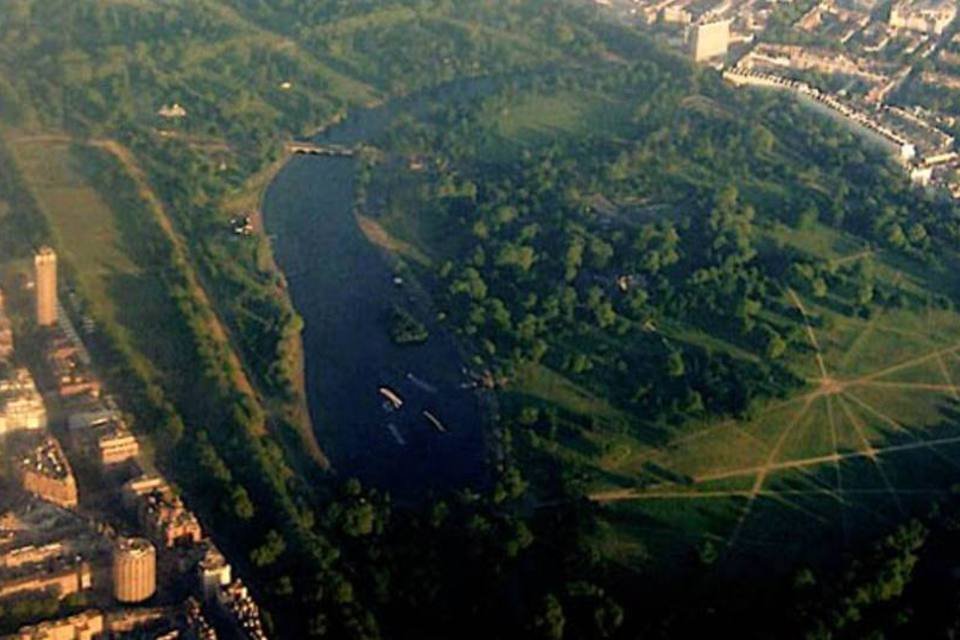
(559, 253)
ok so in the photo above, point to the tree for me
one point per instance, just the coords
(471, 283)
(608, 618)
(573, 259)
(550, 621)
(707, 553)
(675, 367)
(242, 506)
(865, 293)
(600, 253)
(270, 551)
(819, 286)
(776, 345)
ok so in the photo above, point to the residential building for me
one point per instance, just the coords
(45, 265)
(213, 572)
(82, 626)
(163, 516)
(21, 405)
(926, 16)
(61, 579)
(45, 472)
(6, 332)
(709, 40)
(134, 570)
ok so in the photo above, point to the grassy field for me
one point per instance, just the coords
(537, 118)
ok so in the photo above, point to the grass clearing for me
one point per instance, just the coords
(541, 382)
(538, 118)
(822, 241)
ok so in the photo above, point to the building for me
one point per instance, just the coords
(134, 570)
(161, 512)
(213, 572)
(240, 609)
(926, 16)
(196, 623)
(138, 620)
(676, 14)
(172, 111)
(16, 558)
(45, 472)
(71, 371)
(82, 626)
(921, 176)
(45, 264)
(21, 405)
(62, 578)
(166, 519)
(116, 446)
(134, 490)
(6, 332)
(103, 434)
(709, 40)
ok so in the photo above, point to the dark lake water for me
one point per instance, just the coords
(342, 286)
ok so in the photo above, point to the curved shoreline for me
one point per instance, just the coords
(340, 284)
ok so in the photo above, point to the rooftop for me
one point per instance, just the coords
(47, 459)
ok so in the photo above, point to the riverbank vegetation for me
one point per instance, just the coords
(717, 318)
(406, 329)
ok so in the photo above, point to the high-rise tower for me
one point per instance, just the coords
(710, 40)
(45, 264)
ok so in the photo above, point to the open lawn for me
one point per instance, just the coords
(538, 118)
(540, 382)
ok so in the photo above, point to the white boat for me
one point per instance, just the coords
(395, 400)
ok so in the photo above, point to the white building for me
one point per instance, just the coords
(214, 573)
(21, 405)
(174, 111)
(709, 40)
(926, 16)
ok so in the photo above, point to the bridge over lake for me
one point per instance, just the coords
(321, 149)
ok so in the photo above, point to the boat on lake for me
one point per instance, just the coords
(392, 398)
(434, 421)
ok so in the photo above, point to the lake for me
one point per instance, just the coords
(343, 286)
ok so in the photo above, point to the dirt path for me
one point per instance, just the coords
(947, 377)
(866, 253)
(902, 429)
(906, 364)
(619, 495)
(622, 495)
(762, 473)
(810, 334)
